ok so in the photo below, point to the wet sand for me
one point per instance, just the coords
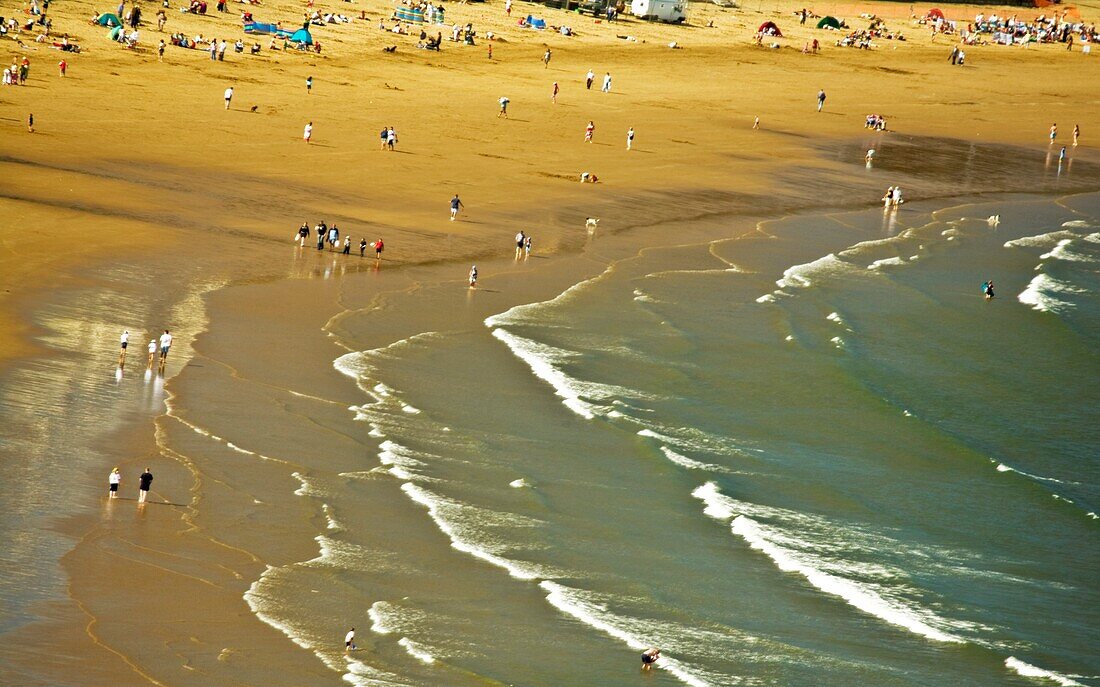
(139, 214)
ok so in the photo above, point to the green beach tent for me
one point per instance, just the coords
(108, 19)
(830, 22)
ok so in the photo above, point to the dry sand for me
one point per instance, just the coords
(136, 162)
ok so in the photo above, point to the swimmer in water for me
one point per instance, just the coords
(649, 657)
(988, 289)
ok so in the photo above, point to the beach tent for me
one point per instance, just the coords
(108, 19)
(830, 22)
(113, 33)
(770, 29)
(934, 13)
(257, 27)
(302, 36)
(413, 15)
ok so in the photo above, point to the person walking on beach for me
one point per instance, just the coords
(384, 136)
(456, 205)
(160, 51)
(391, 138)
(954, 54)
(320, 237)
(546, 59)
(820, 99)
(152, 352)
(347, 245)
(1076, 134)
(113, 480)
(588, 131)
(473, 276)
(630, 138)
(125, 340)
(165, 345)
(519, 243)
(1062, 155)
(895, 196)
(503, 107)
(303, 234)
(146, 480)
(649, 657)
(349, 641)
(30, 123)
(309, 85)
(526, 247)
(756, 123)
(588, 79)
(333, 237)
(554, 94)
(1053, 133)
(307, 133)
(508, 8)
(378, 248)
(606, 83)
(228, 96)
(363, 247)
(61, 67)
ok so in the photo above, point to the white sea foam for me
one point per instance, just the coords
(402, 462)
(692, 439)
(544, 360)
(519, 483)
(362, 675)
(1093, 238)
(307, 487)
(1038, 294)
(1078, 224)
(886, 262)
(1064, 251)
(405, 407)
(330, 520)
(767, 298)
(571, 602)
(528, 313)
(685, 462)
(379, 613)
(448, 516)
(792, 552)
(801, 276)
(1001, 467)
(837, 341)
(1041, 240)
(416, 651)
(1028, 670)
(258, 601)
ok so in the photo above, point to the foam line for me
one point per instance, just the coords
(1028, 670)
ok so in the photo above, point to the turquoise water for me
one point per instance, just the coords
(814, 455)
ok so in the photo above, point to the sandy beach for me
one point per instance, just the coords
(141, 202)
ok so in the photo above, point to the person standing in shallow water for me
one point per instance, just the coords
(649, 657)
(113, 481)
(473, 276)
(987, 289)
(145, 481)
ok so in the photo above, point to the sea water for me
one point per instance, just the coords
(813, 455)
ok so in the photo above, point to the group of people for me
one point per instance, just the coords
(1054, 134)
(892, 197)
(331, 236)
(875, 122)
(162, 347)
(1043, 29)
(114, 480)
(16, 74)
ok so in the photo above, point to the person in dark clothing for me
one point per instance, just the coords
(146, 480)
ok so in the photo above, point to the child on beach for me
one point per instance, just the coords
(362, 247)
(125, 340)
(307, 133)
(1053, 133)
(113, 481)
(554, 94)
(588, 131)
(309, 85)
(473, 276)
(228, 96)
(61, 67)
(503, 107)
(347, 245)
(378, 247)
(152, 352)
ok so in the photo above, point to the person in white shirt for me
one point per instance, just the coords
(152, 352)
(228, 96)
(588, 78)
(125, 340)
(349, 640)
(606, 83)
(113, 480)
(307, 133)
(165, 344)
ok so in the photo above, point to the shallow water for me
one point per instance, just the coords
(845, 467)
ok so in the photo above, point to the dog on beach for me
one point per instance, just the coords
(590, 223)
(253, 108)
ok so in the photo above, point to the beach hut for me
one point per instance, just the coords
(934, 13)
(108, 19)
(828, 23)
(769, 28)
(413, 15)
(661, 10)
